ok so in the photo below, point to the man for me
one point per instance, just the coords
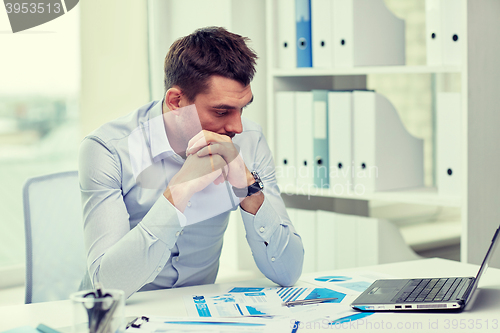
(158, 184)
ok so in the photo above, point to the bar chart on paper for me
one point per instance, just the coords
(288, 294)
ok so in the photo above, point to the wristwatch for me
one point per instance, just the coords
(252, 189)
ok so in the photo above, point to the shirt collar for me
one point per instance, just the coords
(158, 140)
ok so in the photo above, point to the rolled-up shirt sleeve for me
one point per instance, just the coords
(117, 256)
(276, 247)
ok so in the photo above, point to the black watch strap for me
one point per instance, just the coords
(252, 189)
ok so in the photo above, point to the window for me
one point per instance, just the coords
(39, 126)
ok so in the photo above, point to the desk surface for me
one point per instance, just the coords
(485, 311)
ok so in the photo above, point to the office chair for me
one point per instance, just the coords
(55, 254)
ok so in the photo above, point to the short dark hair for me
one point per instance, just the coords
(193, 59)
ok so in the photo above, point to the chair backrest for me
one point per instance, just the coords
(55, 254)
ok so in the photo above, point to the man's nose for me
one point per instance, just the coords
(234, 124)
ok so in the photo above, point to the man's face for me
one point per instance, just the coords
(221, 106)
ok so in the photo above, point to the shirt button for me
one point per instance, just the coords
(176, 258)
(273, 258)
(177, 234)
(159, 269)
(262, 229)
(189, 204)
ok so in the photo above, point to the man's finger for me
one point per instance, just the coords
(212, 163)
(195, 146)
(210, 149)
(219, 179)
(204, 138)
(227, 150)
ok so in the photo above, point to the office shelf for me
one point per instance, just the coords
(278, 72)
(418, 196)
(479, 71)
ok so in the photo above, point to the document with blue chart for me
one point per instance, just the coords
(238, 302)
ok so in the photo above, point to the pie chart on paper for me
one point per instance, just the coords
(332, 278)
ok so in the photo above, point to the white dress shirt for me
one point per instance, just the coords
(135, 238)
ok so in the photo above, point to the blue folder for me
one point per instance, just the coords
(303, 21)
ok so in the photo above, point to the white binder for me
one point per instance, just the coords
(304, 140)
(340, 141)
(448, 143)
(304, 222)
(326, 255)
(386, 156)
(287, 46)
(434, 32)
(320, 140)
(453, 30)
(366, 33)
(444, 32)
(321, 25)
(343, 33)
(379, 242)
(285, 137)
(367, 237)
(346, 241)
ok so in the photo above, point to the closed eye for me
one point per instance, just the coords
(220, 113)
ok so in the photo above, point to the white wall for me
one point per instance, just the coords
(173, 19)
(114, 60)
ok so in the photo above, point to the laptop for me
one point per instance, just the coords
(452, 293)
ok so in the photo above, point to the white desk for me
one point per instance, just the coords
(169, 302)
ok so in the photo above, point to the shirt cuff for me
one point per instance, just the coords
(262, 225)
(164, 221)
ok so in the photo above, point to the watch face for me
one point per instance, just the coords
(258, 181)
(252, 189)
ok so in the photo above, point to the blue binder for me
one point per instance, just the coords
(320, 133)
(303, 21)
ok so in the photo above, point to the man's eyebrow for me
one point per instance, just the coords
(249, 102)
(229, 107)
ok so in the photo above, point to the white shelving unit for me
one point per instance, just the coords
(278, 72)
(419, 196)
(479, 201)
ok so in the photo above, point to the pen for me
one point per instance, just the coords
(214, 323)
(308, 301)
(108, 317)
(350, 318)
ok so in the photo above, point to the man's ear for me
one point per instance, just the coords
(173, 98)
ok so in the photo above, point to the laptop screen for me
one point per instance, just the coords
(486, 261)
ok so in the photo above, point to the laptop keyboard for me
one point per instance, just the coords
(429, 290)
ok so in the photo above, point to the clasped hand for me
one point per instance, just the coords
(212, 145)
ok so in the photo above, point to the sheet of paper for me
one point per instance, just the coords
(322, 315)
(236, 304)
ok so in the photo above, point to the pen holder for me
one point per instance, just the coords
(98, 311)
